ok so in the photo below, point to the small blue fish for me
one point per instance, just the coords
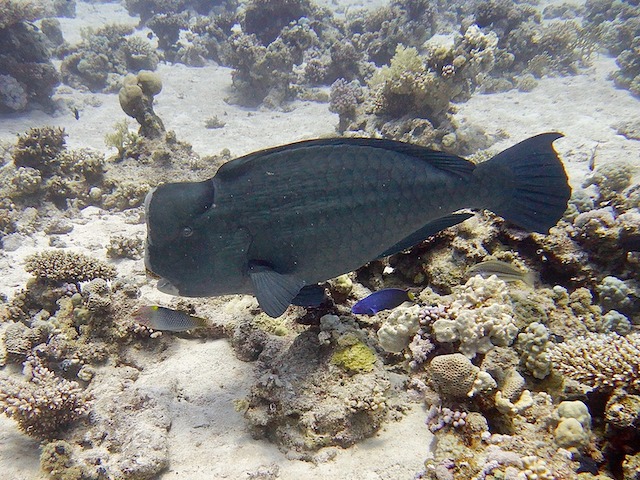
(385, 299)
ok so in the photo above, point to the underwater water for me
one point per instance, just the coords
(480, 322)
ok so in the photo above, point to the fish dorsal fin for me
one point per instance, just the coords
(425, 232)
(273, 290)
(441, 160)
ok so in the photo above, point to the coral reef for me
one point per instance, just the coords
(44, 403)
(292, 371)
(402, 22)
(27, 76)
(125, 247)
(617, 26)
(44, 169)
(105, 56)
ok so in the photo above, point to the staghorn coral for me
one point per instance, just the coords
(60, 266)
(600, 361)
(44, 403)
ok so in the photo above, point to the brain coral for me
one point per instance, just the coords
(453, 374)
(58, 266)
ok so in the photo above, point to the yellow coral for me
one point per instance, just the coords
(355, 358)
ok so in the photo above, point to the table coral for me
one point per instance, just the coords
(600, 361)
(44, 403)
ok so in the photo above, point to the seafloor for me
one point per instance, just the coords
(481, 378)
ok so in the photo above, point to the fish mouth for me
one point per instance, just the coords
(165, 286)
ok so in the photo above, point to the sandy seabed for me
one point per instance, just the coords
(200, 380)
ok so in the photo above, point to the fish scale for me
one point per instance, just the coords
(276, 222)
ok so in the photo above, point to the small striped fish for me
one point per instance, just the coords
(161, 318)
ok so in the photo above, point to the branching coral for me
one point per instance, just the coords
(104, 56)
(601, 361)
(59, 266)
(38, 148)
(44, 403)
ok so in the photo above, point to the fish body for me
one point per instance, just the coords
(385, 299)
(503, 270)
(276, 222)
(161, 318)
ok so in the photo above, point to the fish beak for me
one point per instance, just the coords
(165, 286)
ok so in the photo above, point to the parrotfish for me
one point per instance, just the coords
(161, 318)
(385, 299)
(277, 222)
(503, 270)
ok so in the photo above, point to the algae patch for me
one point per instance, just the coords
(355, 358)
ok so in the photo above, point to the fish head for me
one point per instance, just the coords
(179, 246)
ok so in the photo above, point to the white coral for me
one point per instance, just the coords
(480, 317)
(399, 328)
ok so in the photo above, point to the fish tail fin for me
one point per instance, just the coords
(534, 188)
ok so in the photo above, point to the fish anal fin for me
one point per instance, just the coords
(309, 296)
(425, 232)
(273, 290)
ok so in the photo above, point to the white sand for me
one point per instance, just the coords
(208, 438)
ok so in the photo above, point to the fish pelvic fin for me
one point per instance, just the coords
(528, 183)
(274, 291)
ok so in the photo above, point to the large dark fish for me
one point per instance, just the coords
(276, 222)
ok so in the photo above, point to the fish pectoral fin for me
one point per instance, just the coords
(273, 290)
(309, 296)
(425, 232)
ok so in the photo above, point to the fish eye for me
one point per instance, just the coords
(186, 231)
